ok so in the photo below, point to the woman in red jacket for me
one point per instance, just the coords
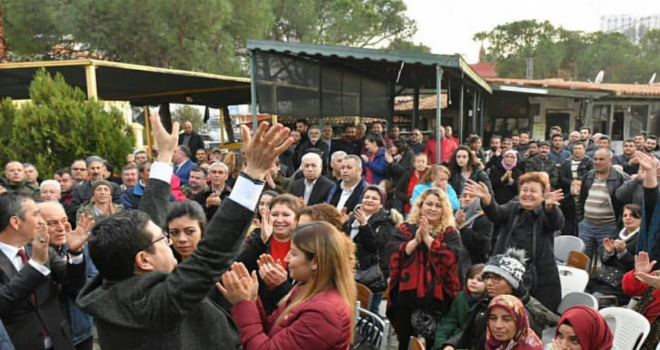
(318, 313)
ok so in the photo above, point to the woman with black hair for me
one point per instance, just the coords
(374, 165)
(464, 166)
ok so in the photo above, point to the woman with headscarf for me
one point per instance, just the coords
(504, 177)
(582, 328)
(508, 326)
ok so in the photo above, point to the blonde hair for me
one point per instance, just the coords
(447, 219)
(332, 250)
(429, 175)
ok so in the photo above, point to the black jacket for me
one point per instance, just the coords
(201, 198)
(504, 192)
(371, 240)
(320, 145)
(614, 181)
(566, 175)
(354, 199)
(457, 181)
(319, 191)
(195, 142)
(476, 238)
(395, 170)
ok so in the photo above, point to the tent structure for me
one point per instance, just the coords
(310, 80)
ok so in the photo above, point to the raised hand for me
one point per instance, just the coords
(460, 217)
(365, 158)
(264, 148)
(619, 246)
(76, 239)
(643, 263)
(553, 198)
(608, 245)
(167, 142)
(40, 245)
(273, 274)
(650, 280)
(422, 230)
(344, 216)
(269, 181)
(388, 157)
(360, 216)
(213, 200)
(266, 227)
(478, 190)
(645, 161)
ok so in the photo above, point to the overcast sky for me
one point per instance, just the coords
(447, 27)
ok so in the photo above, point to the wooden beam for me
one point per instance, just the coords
(90, 77)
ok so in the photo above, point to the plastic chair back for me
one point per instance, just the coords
(578, 260)
(629, 327)
(416, 344)
(564, 245)
(572, 279)
(577, 298)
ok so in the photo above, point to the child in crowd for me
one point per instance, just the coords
(455, 319)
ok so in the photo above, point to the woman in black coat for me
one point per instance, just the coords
(504, 177)
(464, 166)
(371, 227)
(529, 224)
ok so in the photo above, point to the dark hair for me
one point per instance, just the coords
(474, 139)
(11, 204)
(140, 152)
(143, 165)
(652, 137)
(187, 208)
(557, 135)
(401, 145)
(526, 132)
(323, 212)
(108, 166)
(61, 172)
(640, 134)
(499, 137)
(635, 209)
(475, 270)
(472, 159)
(514, 134)
(349, 126)
(304, 121)
(186, 150)
(116, 240)
(536, 142)
(628, 141)
(199, 170)
(579, 143)
(289, 200)
(128, 167)
(586, 127)
(271, 193)
(374, 138)
(605, 137)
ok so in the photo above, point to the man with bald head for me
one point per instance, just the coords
(598, 210)
(190, 138)
(17, 181)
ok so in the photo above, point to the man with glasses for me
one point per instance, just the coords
(141, 299)
(79, 171)
(416, 141)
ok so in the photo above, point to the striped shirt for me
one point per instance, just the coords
(598, 208)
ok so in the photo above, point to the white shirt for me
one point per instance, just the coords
(12, 254)
(345, 194)
(308, 189)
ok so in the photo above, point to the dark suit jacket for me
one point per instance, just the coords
(183, 171)
(201, 198)
(354, 199)
(160, 310)
(195, 142)
(23, 320)
(319, 191)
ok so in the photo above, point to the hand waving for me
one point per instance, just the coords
(264, 148)
(76, 239)
(266, 227)
(643, 263)
(238, 285)
(478, 190)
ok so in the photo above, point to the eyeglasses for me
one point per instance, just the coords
(166, 237)
(495, 278)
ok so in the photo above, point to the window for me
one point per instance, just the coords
(600, 119)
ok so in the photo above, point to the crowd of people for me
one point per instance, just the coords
(261, 248)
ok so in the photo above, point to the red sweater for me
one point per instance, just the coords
(447, 149)
(635, 288)
(322, 323)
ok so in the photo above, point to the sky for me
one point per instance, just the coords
(447, 27)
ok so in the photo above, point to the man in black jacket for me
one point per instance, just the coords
(190, 138)
(141, 299)
(347, 193)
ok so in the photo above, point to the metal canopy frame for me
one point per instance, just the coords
(413, 71)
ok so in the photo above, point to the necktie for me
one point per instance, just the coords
(24, 259)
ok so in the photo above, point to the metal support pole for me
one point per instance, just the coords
(438, 112)
(90, 79)
(474, 112)
(147, 126)
(253, 91)
(415, 112)
(461, 113)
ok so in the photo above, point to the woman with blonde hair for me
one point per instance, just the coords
(424, 268)
(318, 313)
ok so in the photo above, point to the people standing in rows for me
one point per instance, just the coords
(349, 143)
(598, 211)
(558, 154)
(416, 141)
(424, 268)
(585, 136)
(627, 160)
(574, 168)
(523, 143)
(542, 163)
(406, 185)
(374, 164)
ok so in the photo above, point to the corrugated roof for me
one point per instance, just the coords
(427, 103)
(616, 89)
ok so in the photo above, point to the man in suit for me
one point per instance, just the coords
(183, 164)
(29, 272)
(190, 138)
(347, 193)
(313, 188)
(141, 299)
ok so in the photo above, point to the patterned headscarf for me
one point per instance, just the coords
(525, 338)
(590, 327)
(515, 160)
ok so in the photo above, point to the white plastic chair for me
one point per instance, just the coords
(564, 245)
(572, 279)
(629, 327)
(570, 300)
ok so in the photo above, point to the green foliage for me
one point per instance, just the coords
(191, 114)
(399, 44)
(575, 55)
(59, 125)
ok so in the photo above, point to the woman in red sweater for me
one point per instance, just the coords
(318, 313)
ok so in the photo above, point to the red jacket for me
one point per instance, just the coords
(322, 323)
(635, 288)
(447, 149)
